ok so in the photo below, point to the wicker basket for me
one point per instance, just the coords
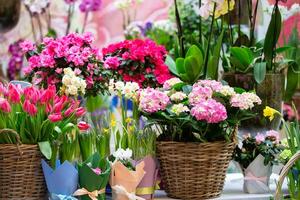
(21, 175)
(194, 170)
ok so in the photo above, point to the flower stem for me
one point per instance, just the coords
(209, 40)
(200, 24)
(229, 22)
(85, 20)
(180, 31)
(40, 27)
(69, 19)
(253, 23)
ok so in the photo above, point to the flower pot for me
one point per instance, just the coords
(147, 186)
(270, 91)
(257, 177)
(21, 175)
(194, 170)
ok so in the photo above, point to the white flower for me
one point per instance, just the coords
(36, 6)
(119, 86)
(122, 154)
(72, 90)
(227, 91)
(69, 71)
(130, 90)
(179, 108)
(133, 29)
(66, 80)
(72, 83)
(171, 82)
(165, 25)
(123, 4)
(178, 96)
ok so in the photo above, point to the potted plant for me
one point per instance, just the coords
(256, 156)
(261, 66)
(31, 120)
(197, 126)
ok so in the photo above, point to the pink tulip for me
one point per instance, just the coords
(14, 94)
(48, 94)
(32, 94)
(30, 108)
(58, 107)
(48, 108)
(69, 111)
(4, 105)
(3, 90)
(83, 126)
(80, 112)
(55, 117)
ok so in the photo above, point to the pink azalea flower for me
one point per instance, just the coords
(111, 63)
(273, 135)
(27, 46)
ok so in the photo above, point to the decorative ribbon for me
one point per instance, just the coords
(122, 191)
(148, 190)
(93, 195)
(250, 176)
(61, 197)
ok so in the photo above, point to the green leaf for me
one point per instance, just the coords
(172, 65)
(292, 81)
(196, 52)
(212, 68)
(272, 36)
(192, 68)
(284, 49)
(93, 103)
(45, 148)
(180, 66)
(57, 129)
(260, 71)
(242, 55)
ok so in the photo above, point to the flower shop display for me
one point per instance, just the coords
(61, 182)
(198, 123)
(140, 61)
(125, 177)
(31, 121)
(93, 177)
(256, 157)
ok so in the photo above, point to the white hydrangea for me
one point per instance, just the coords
(227, 91)
(123, 155)
(178, 96)
(130, 90)
(133, 29)
(171, 82)
(179, 108)
(73, 84)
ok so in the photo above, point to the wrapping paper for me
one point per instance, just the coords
(122, 178)
(91, 184)
(257, 177)
(147, 186)
(61, 182)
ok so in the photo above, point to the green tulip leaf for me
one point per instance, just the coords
(45, 149)
(260, 71)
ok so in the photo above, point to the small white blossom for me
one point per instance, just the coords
(36, 6)
(171, 82)
(179, 108)
(123, 155)
(72, 83)
(178, 96)
(227, 91)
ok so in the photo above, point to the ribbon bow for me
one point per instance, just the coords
(121, 190)
(61, 197)
(93, 195)
(250, 176)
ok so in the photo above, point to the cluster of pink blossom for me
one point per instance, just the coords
(199, 94)
(245, 101)
(153, 100)
(214, 85)
(271, 135)
(33, 101)
(210, 111)
(74, 51)
(140, 61)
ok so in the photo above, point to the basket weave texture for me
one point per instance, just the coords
(21, 175)
(194, 170)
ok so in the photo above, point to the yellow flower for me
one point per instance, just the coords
(128, 120)
(222, 9)
(105, 130)
(113, 123)
(270, 112)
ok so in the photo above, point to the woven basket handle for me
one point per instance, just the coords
(284, 172)
(13, 132)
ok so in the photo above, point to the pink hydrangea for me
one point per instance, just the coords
(199, 94)
(152, 100)
(273, 135)
(214, 85)
(245, 101)
(210, 111)
(111, 63)
(259, 138)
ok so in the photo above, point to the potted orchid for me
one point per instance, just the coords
(197, 122)
(32, 122)
(256, 157)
